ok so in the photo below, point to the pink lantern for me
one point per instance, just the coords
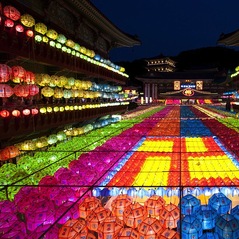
(128, 233)
(134, 214)
(19, 28)
(96, 216)
(9, 23)
(150, 228)
(43, 231)
(19, 73)
(169, 216)
(110, 227)
(7, 206)
(30, 77)
(21, 90)
(61, 195)
(7, 221)
(153, 205)
(5, 91)
(5, 73)
(72, 228)
(169, 234)
(12, 13)
(44, 184)
(87, 205)
(119, 204)
(16, 230)
(26, 112)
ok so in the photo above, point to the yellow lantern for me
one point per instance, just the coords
(62, 81)
(43, 110)
(47, 91)
(83, 50)
(70, 43)
(52, 34)
(41, 142)
(45, 39)
(58, 93)
(56, 109)
(41, 28)
(27, 20)
(27, 145)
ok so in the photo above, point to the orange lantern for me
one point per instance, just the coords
(134, 214)
(119, 204)
(87, 205)
(5, 91)
(41, 28)
(4, 113)
(21, 90)
(33, 90)
(19, 73)
(110, 228)
(96, 216)
(170, 215)
(12, 13)
(169, 234)
(47, 91)
(29, 33)
(27, 20)
(9, 23)
(150, 228)
(128, 233)
(153, 205)
(10, 152)
(5, 73)
(16, 113)
(72, 229)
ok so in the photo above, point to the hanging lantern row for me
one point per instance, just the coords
(18, 113)
(12, 17)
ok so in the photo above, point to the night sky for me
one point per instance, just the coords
(171, 26)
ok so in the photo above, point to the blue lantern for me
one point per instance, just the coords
(220, 203)
(235, 212)
(189, 204)
(207, 217)
(209, 235)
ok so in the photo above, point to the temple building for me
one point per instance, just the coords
(160, 64)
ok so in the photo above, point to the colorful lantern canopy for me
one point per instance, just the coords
(134, 214)
(119, 204)
(189, 204)
(87, 205)
(5, 73)
(52, 34)
(4, 113)
(207, 217)
(227, 226)
(220, 203)
(21, 90)
(5, 91)
(128, 233)
(110, 227)
(73, 228)
(169, 216)
(169, 234)
(96, 216)
(27, 20)
(153, 205)
(41, 28)
(190, 227)
(47, 91)
(150, 228)
(12, 13)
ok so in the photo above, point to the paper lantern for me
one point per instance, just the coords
(33, 90)
(10, 152)
(29, 33)
(134, 214)
(21, 90)
(19, 28)
(128, 233)
(40, 28)
(110, 227)
(4, 113)
(169, 216)
(97, 216)
(52, 139)
(58, 93)
(18, 72)
(169, 234)
(52, 34)
(67, 94)
(70, 43)
(207, 217)
(153, 205)
(27, 20)
(47, 91)
(149, 228)
(12, 13)
(26, 112)
(189, 204)
(9, 23)
(5, 91)
(34, 111)
(61, 39)
(5, 73)
(16, 113)
(27, 145)
(41, 142)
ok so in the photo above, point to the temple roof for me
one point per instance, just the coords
(229, 39)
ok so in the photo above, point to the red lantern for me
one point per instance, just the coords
(5, 73)
(34, 111)
(4, 113)
(26, 112)
(18, 72)
(169, 234)
(5, 91)
(21, 90)
(19, 28)
(29, 77)
(128, 233)
(9, 23)
(170, 215)
(29, 33)
(16, 113)
(12, 13)
(153, 205)
(10, 152)
(33, 90)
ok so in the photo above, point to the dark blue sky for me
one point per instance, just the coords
(169, 26)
